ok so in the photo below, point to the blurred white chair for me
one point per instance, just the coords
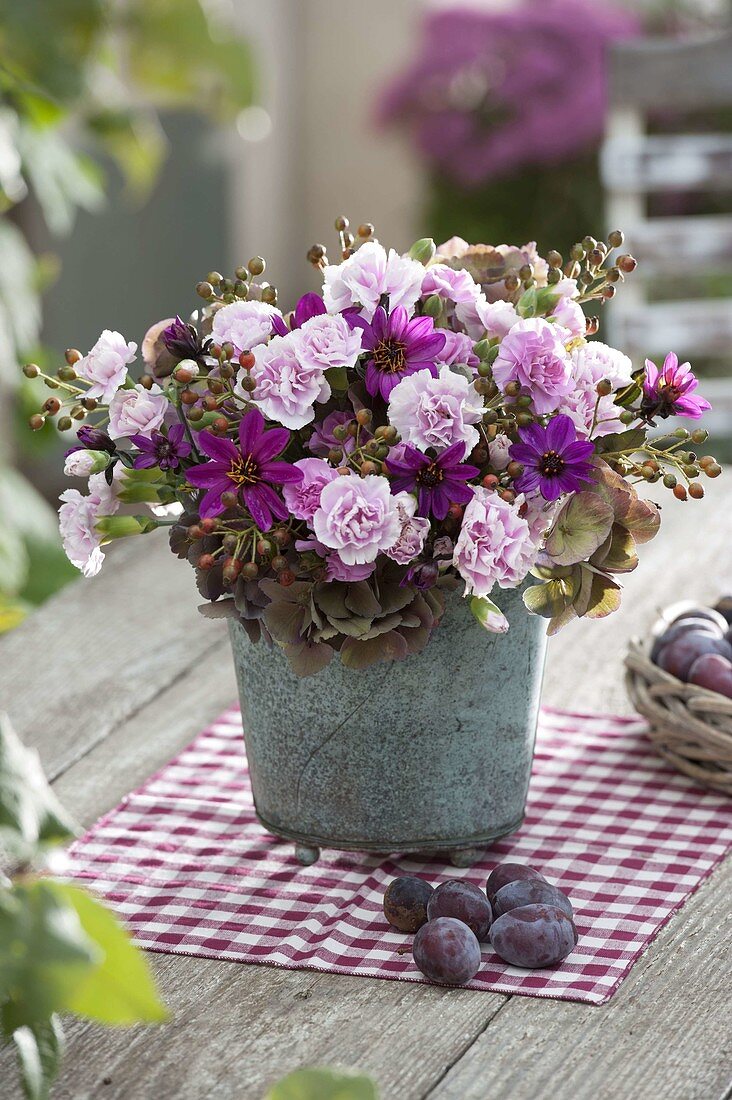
(647, 79)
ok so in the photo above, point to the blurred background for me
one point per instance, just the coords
(146, 142)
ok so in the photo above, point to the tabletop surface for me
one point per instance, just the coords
(115, 675)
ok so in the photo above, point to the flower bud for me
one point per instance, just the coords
(433, 306)
(604, 388)
(186, 371)
(615, 238)
(204, 290)
(696, 490)
(120, 527)
(626, 263)
(83, 463)
(423, 250)
(72, 356)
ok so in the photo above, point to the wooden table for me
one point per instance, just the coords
(113, 676)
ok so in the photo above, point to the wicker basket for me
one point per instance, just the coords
(689, 726)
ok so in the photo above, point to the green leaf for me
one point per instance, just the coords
(120, 989)
(582, 525)
(12, 612)
(30, 813)
(629, 441)
(40, 1049)
(490, 617)
(323, 1084)
(44, 953)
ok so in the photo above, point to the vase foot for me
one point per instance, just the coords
(465, 857)
(306, 855)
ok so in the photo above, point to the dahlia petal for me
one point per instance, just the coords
(211, 504)
(269, 444)
(251, 427)
(146, 461)
(221, 450)
(528, 481)
(440, 502)
(281, 473)
(257, 506)
(310, 305)
(550, 488)
(453, 456)
(209, 475)
(579, 451)
(524, 453)
(560, 433)
(458, 491)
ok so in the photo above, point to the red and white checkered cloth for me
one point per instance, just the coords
(186, 865)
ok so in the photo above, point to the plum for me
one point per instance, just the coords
(708, 614)
(724, 607)
(465, 902)
(680, 627)
(405, 902)
(533, 936)
(678, 655)
(530, 892)
(447, 951)
(508, 872)
(712, 672)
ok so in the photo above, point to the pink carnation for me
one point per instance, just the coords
(534, 355)
(77, 517)
(105, 366)
(357, 517)
(243, 324)
(495, 545)
(456, 286)
(138, 411)
(497, 317)
(286, 389)
(336, 569)
(414, 531)
(367, 274)
(303, 497)
(458, 350)
(592, 363)
(327, 340)
(569, 315)
(436, 412)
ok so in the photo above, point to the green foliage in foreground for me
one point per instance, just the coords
(61, 951)
(323, 1084)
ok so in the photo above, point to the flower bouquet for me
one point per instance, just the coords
(431, 423)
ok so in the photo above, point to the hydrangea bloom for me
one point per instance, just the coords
(303, 497)
(370, 272)
(327, 340)
(358, 517)
(436, 412)
(287, 388)
(335, 568)
(105, 366)
(494, 545)
(533, 354)
(138, 411)
(243, 324)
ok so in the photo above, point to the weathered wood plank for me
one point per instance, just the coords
(238, 1027)
(664, 1034)
(692, 328)
(684, 246)
(668, 162)
(101, 649)
(667, 75)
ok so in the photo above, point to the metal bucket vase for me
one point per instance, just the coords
(429, 754)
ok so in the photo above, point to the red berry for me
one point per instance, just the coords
(206, 562)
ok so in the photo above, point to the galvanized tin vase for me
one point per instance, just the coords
(429, 754)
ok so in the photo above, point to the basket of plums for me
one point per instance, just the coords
(527, 921)
(680, 680)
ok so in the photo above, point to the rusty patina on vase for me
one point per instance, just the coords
(429, 754)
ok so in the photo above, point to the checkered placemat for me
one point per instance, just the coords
(185, 863)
